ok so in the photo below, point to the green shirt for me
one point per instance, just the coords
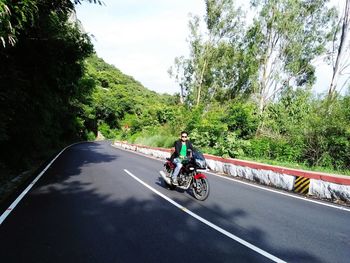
(183, 151)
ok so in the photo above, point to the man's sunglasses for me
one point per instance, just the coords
(183, 136)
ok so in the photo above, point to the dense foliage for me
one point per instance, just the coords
(120, 103)
(42, 63)
(297, 129)
(245, 89)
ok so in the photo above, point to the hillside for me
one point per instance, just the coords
(118, 100)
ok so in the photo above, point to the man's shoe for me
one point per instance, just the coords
(174, 182)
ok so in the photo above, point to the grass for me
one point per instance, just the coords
(156, 141)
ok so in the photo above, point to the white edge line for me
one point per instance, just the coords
(20, 197)
(252, 185)
(201, 219)
(281, 193)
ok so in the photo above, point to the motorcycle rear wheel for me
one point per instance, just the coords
(201, 190)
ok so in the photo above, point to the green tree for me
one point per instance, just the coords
(14, 16)
(339, 55)
(120, 103)
(42, 90)
(286, 36)
(327, 134)
(209, 68)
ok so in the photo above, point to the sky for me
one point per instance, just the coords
(143, 37)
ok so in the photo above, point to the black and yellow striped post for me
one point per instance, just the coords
(301, 185)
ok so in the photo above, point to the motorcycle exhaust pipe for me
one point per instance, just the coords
(165, 178)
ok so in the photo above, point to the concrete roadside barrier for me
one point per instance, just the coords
(320, 185)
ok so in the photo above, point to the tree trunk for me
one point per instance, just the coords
(181, 94)
(200, 83)
(341, 49)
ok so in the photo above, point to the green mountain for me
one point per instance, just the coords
(119, 101)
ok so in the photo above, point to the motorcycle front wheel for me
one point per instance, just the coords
(168, 173)
(201, 189)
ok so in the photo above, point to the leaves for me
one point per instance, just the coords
(42, 90)
(209, 72)
(14, 16)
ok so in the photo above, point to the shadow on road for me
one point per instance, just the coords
(71, 220)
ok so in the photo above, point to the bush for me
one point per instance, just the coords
(107, 131)
(156, 141)
(275, 149)
(242, 119)
(327, 137)
(207, 128)
(259, 148)
(90, 136)
(284, 151)
(231, 146)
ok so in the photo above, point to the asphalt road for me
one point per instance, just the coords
(86, 208)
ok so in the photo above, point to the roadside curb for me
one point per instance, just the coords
(320, 185)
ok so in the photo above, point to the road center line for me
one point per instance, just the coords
(201, 219)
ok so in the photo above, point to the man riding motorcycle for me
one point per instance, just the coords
(183, 149)
(184, 169)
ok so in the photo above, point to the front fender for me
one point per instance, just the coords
(199, 176)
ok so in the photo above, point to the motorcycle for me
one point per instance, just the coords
(190, 175)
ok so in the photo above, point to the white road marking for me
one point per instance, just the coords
(253, 185)
(20, 197)
(201, 219)
(281, 193)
